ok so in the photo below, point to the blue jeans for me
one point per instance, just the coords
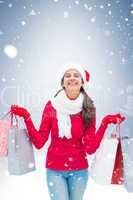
(66, 185)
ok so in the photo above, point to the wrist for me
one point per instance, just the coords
(105, 125)
(26, 118)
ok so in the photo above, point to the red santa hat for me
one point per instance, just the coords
(84, 73)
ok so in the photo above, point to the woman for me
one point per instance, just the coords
(71, 118)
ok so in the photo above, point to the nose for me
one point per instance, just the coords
(72, 79)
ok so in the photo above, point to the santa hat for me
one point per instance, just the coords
(72, 65)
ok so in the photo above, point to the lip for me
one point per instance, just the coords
(72, 83)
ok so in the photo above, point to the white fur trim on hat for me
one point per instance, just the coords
(74, 66)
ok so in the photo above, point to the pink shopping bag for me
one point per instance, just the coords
(4, 128)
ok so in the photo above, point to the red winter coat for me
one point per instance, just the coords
(63, 153)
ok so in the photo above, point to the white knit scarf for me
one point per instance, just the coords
(64, 108)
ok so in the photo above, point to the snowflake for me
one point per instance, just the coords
(77, 2)
(66, 14)
(66, 165)
(10, 5)
(123, 60)
(86, 6)
(31, 165)
(1, 33)
(17, 146)
(110, 13)
(32, 12)
(93, 19)
(10, 51)
(70, 159)
(51, 194)
(110, 156)
(23, 23)
(13, 141)
(126, 19)
(101, 6)
(89, 37)
(3, 79)
(131, 12)
(109, 4)
(110, 72)
(111, 53)
(106, 23)
(90, 8)
(21, 60)
(51, 183)
(71, 174)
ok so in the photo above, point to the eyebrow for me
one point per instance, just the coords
(70, 73)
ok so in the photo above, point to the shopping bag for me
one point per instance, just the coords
(4, 127)
(103, 163)
(127, 149)
(20, 152)
(117, 176)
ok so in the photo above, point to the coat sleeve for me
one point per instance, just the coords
(92, 138)
(39, 137)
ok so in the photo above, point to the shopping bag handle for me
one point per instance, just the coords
(117, 132)
(5, 115)
(12, 120)
(11, 115)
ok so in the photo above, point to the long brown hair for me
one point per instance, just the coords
(89, 110)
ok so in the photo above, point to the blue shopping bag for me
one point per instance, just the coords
(20, 151)
(127, 150)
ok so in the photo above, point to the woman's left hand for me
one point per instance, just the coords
(113, 119)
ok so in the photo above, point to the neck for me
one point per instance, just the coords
(72, 94)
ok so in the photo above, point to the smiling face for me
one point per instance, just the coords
(72, 81)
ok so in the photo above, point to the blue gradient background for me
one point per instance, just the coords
(47, 34)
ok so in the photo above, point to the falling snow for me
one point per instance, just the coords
(66, 14)
(23, 23)
(31, 165)
(10, 51)
(41, 36)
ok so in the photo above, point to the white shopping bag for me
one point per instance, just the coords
(127, 149)
(20, 151)
(104, 159)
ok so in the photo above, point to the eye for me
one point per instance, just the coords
(67, 75)
(76, 75)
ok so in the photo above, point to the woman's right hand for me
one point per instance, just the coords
(20, 111)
